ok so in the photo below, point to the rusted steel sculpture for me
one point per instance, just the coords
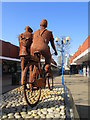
(38, 46)
(25, 41)
(40, 43)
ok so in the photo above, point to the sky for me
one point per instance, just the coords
(64, 19)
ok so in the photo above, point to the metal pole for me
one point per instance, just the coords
(69, 67)
(62, 63)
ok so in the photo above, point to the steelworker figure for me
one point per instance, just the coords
(40, 43)
(25, 41)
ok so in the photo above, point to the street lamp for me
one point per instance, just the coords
(64, 41)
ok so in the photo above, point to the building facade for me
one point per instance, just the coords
(80, 61)
(9, 57)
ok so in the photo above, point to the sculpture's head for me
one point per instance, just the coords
(43, 23)
(27, 28)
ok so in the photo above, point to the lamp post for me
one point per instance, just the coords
(69, 67)
(62, 61)
(62, 43)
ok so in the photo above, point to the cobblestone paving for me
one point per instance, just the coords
(51, 105)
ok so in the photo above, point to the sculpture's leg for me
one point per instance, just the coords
(47, 61)
(31, 73)
(23, 71)
(23, 75)
(22, 63)
(34, 73)
(47, 68)
(22, 68)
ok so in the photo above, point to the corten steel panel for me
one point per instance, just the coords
(10, 50)
(5, 49)
(13, 51)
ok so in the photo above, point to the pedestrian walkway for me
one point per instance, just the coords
(78, 86)
(7, 83)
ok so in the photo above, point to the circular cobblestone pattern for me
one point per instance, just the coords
(51, 105)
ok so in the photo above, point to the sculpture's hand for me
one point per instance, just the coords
(56, 53)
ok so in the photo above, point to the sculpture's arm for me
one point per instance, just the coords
(22, 41)
(52, 44)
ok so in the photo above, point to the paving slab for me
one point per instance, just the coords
(78, 86)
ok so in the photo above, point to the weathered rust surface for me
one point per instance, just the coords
(25, 41)
(9, 50)
(31, 48)
(31, 58)
(41, 39)
(40, 83)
